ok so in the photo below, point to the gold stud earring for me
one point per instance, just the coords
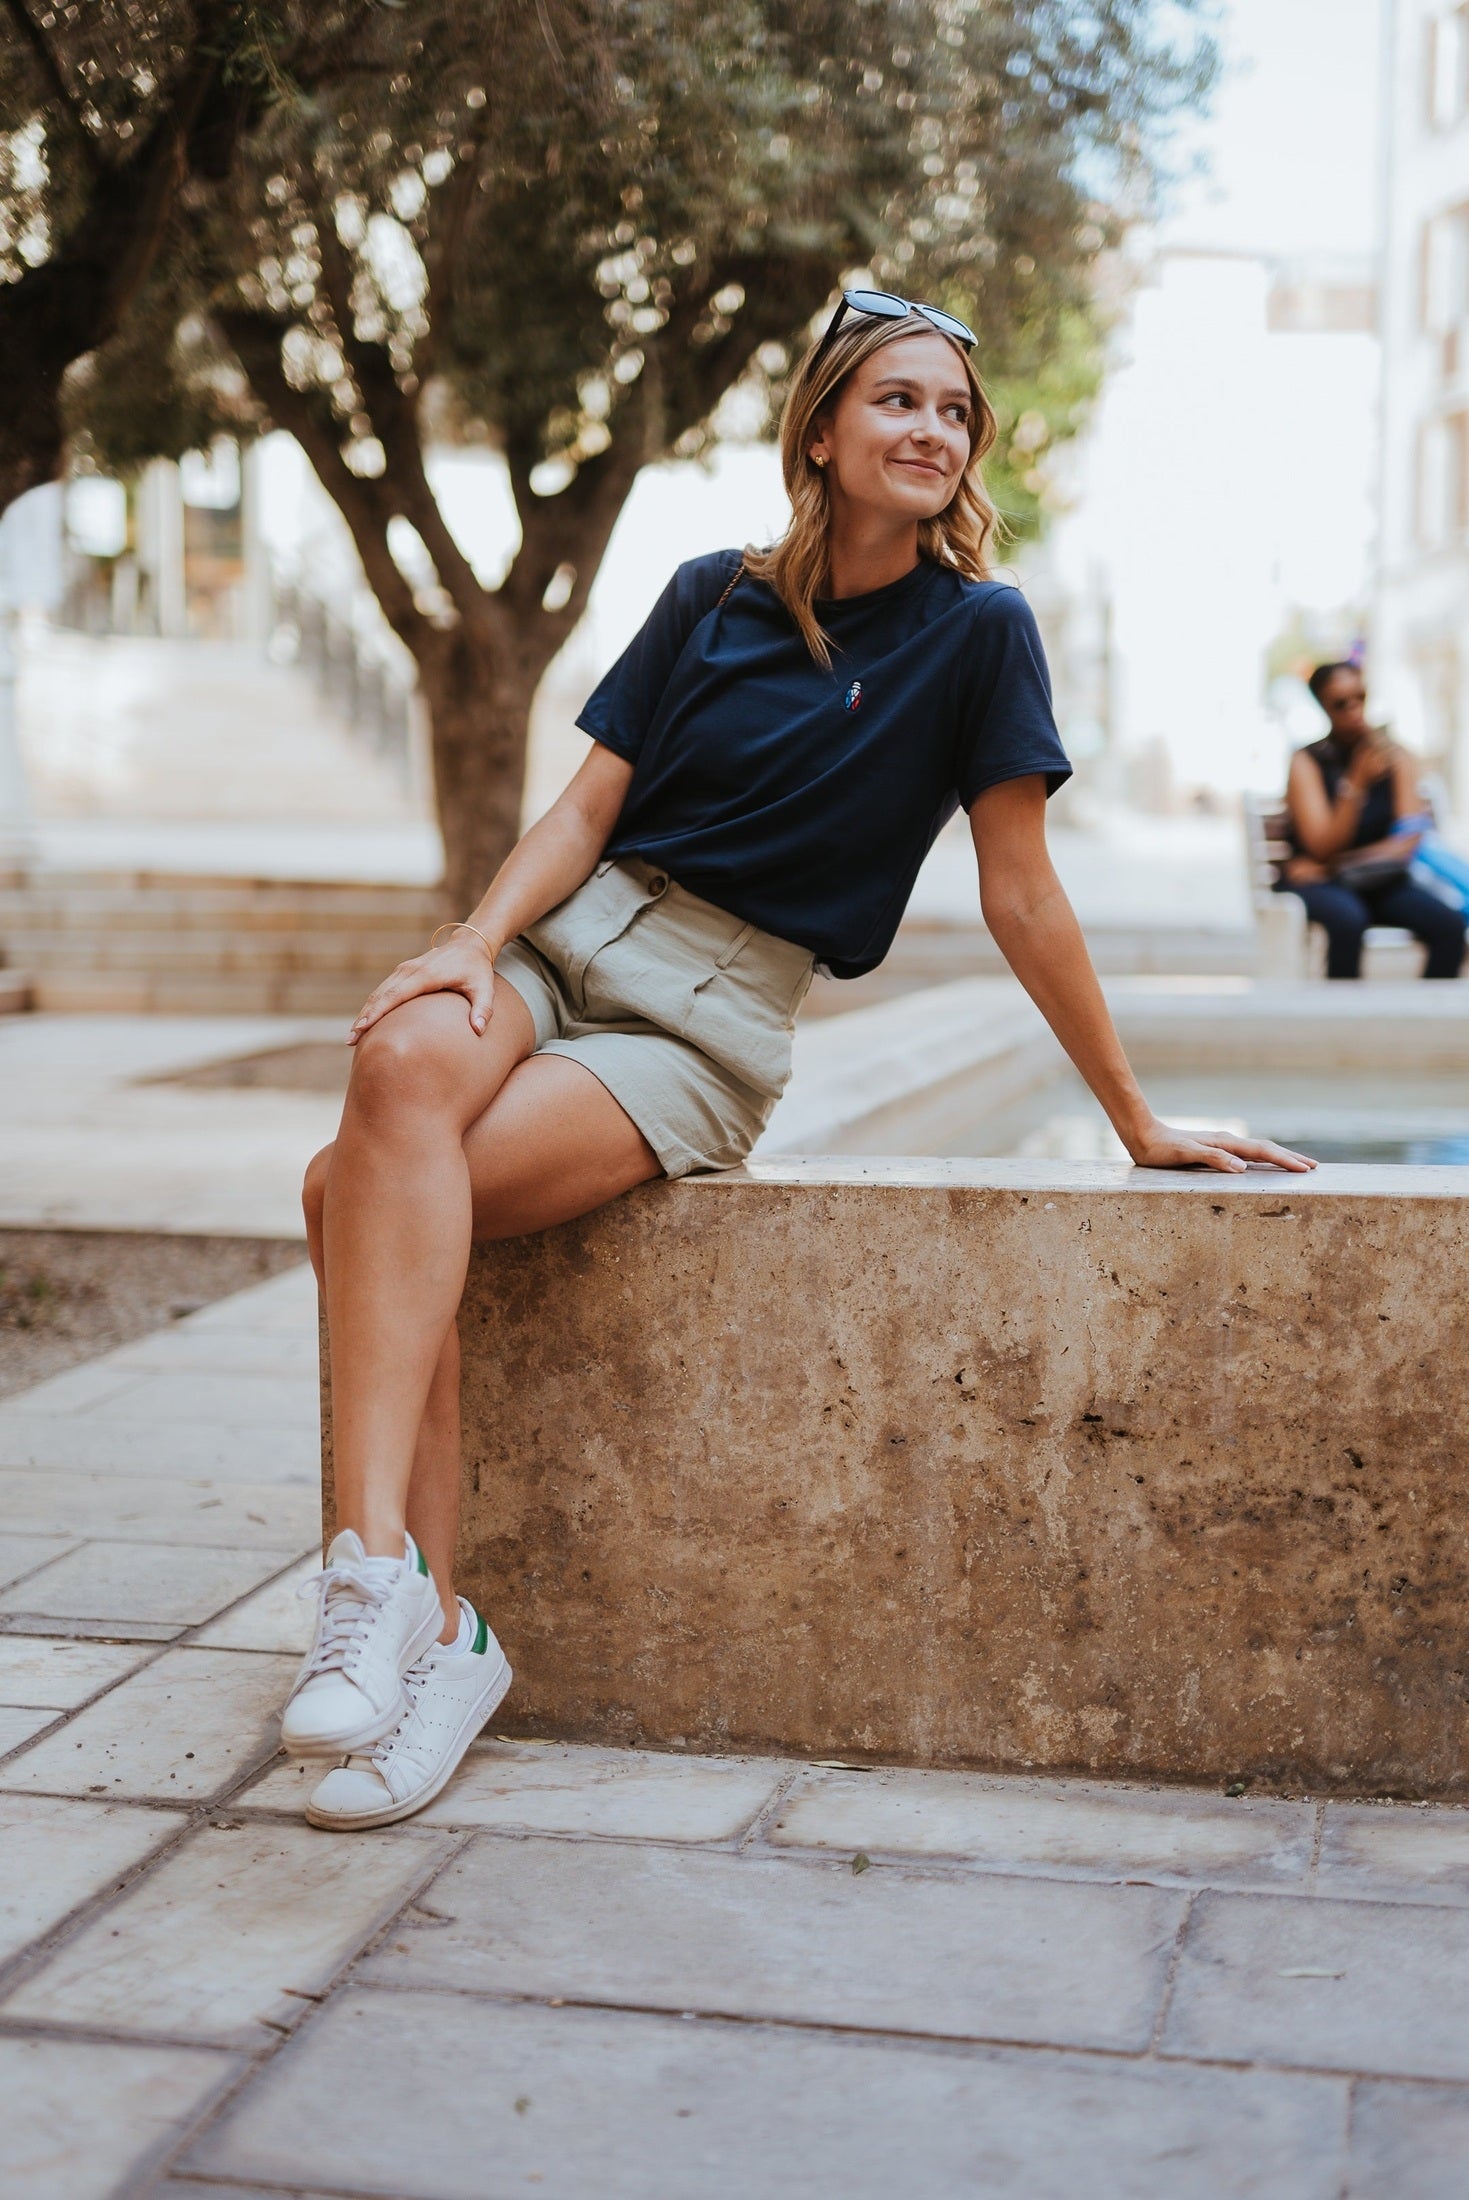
(818, 458)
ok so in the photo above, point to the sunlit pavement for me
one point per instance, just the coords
(589, 1972)
(93, 1136)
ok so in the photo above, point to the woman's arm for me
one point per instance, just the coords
(1325, 827)
(549, 862)
(1033, 926)
(1407, 802)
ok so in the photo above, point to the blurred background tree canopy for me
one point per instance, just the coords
(116, 118)
(567, 231)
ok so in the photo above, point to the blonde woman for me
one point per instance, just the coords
(772, 758)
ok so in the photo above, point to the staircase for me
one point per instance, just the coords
(131, 941)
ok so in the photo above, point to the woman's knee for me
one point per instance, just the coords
(1343, 917)
(411, 1057)
(313, 1186)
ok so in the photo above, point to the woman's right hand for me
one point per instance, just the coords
(461, 965)
(1372, 758)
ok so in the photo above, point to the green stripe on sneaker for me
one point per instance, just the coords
(422, 1561)
(481, 1638)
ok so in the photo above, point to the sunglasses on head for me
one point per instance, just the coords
(883, 306)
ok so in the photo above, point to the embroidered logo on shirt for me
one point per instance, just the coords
(853, 696)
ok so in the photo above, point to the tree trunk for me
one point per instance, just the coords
(54, 314)
(479, 707)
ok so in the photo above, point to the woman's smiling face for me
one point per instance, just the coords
(897, 440)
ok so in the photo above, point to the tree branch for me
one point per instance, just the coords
(441, 260)
(575, 527)
(256, 339)
(369, 363)
(51, 70)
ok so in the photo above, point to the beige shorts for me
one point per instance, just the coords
(682, 1011)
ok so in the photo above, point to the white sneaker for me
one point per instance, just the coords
(374, 1617)
(451, 1692)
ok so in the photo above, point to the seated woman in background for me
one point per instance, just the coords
(1346, 797)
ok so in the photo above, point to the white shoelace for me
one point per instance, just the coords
(349, 1596)
(415, 1680)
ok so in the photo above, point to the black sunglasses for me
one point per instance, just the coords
(885, 307)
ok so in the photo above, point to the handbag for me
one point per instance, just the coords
(1369, 876)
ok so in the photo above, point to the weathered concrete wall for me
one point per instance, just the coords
(1005, 1464)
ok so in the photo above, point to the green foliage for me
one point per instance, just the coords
(546, 214)
(1039, 404)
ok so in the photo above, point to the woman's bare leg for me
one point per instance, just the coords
(395, 1236)
(553, 1144)
(433, 1487)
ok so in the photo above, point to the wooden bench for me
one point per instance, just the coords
(1290, 946)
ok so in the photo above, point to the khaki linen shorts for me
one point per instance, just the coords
(682, 1011)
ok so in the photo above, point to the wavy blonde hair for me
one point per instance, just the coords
(960, 535)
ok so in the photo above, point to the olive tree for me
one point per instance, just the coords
(567, 232)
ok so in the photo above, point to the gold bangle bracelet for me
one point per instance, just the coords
(460, 926)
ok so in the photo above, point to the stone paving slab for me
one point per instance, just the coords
(244, 1401)
(95, 1383)
(189, 2188)
(454, 2099)
(274, 1618)
(80, 2119)
(1055, 1825)
(281, 1306)
(21, 1555)
(144, 1508)
(155, 1632)
(74, 1444)
(220, 1164)
(1379, 1988)
(61, 1674)
(20, 1723)
(180, 1730)
(195, 1349)
(1409, 2142)
(231, 1935)
(626, 1794)
(1010, 1959)
(1418, 1855)
(159, 1583)
(56, 1853)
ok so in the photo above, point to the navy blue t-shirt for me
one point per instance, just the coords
(803, 800)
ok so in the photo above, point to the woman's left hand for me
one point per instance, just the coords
(1160, 1146)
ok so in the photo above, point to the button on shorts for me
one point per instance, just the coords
(681, 1010)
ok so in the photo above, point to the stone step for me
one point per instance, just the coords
(130, 942)
(188, 950)
(141, 903)
(131, 993)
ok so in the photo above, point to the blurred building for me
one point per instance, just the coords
(1220, 499)
(1420, 657)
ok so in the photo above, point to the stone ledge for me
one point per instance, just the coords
(1003, 1464)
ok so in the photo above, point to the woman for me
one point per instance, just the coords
(772, 758)
(1348, 799)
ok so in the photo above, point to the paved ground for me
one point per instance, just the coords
(91, 1139)
(597, 1975)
